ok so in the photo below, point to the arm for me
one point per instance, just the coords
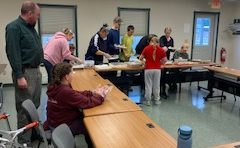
(141, 57)
(66, 53)
(99, 52)
(85, 99)
(13, 50)
(161, 41)
(172, 45)
(164, 60)
(163, 57)
(176, 55)
(110, 43)
(95, 49)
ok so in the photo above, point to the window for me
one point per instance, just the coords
(202, 31)
(139, 18)
(55, 18)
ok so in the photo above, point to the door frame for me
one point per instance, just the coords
(216, 33)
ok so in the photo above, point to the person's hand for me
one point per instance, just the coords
(143, 61)
(106, 89)
(79, 61)
(103, 90)
(107, 55)
(22, 83)
(165, 48)
(120, 50)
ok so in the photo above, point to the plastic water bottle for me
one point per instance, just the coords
(184, 137)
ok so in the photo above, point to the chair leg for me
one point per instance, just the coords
(39, 143)
(43, 136)
(180, 87)
(222, 97)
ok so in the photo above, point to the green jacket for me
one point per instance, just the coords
(23, 46)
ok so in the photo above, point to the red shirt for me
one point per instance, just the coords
(148, 55)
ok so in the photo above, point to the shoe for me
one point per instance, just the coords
(163, 95)
(157, 102)
(148, 103)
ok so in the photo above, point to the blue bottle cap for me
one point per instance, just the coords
(185, 130)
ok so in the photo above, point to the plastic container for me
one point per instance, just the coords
(184, 137)
(88, 63)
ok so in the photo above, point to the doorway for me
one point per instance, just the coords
(205, 35)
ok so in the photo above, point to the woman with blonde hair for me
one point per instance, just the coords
(167, 41)
(57, 49)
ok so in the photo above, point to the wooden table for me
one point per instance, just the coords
(123, 66)
(187, 65)
(225, 79)
(127, 130)
(231, 145)
(175, 74)
(115, 102)
(224, 70)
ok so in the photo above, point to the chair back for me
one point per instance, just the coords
(62, 137)
(32, 115)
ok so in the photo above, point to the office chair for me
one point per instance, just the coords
(62, 137)
(32, 115)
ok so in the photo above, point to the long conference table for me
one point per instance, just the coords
(170, 73)
(115, 102)
(230, 145)
(125, 66)
(118, 122)
(225, 79)
(129, 129)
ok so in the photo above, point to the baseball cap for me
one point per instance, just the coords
(105, 28)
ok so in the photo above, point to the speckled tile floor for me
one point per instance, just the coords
(213, 123)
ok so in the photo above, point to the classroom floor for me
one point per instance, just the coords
(213, 123)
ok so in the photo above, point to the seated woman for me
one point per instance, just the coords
(182, 53)
(65, 104)
(179, 54)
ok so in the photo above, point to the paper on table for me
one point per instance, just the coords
(103, 66)
(80, 66)
(120, 46)
(171, 48)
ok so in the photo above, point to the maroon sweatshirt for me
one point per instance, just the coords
(64, 103)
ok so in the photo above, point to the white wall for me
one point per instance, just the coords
(10, 10)
(234, 53)
(93, 13)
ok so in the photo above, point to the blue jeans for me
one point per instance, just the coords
(49, 68)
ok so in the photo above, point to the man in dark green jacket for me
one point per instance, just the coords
(25, 53)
